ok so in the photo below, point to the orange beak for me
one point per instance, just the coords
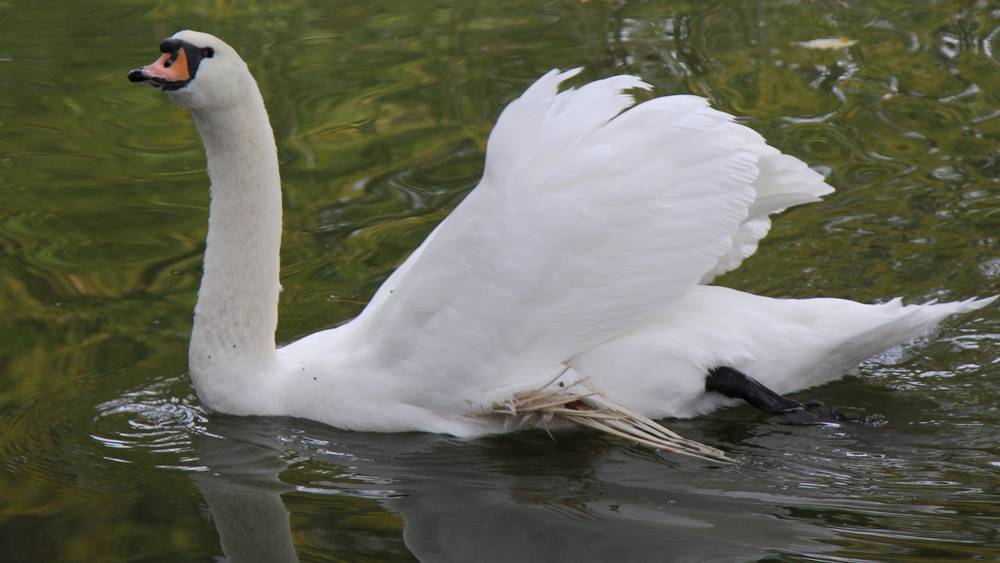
(170, 68)
(175, 68)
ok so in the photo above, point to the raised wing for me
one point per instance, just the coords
(782, 181)
(588, 220)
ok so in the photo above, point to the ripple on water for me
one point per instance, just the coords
(30, 448)
(990, 44)
(160, 420)
(890, 482)
(923, 115)
(990, 268)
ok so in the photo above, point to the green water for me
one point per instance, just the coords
(381, 110)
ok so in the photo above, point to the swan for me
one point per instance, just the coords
(569, 287)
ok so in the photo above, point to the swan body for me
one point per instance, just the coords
(582, 254)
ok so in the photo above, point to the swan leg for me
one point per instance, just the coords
(737, 385)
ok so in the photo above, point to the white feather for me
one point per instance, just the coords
(659, 368)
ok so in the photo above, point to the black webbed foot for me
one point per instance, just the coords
(812, 412)
(737, 385)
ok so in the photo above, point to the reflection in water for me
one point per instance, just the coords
(243, 492)
(275, 486)
(474, 502)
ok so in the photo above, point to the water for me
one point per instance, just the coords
(381, 110)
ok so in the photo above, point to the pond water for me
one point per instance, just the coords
(381, 110)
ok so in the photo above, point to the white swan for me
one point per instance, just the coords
(569, 283)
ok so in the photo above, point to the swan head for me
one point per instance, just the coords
(198, 71)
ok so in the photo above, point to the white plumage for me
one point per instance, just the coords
(787, 344)
(581, 254)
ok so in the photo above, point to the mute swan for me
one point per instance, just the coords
(568, 286)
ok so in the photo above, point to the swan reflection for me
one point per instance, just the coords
(511, 498)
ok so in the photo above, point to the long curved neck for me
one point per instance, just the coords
(232, 343)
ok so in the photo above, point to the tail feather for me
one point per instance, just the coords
(902, 323)
(836, 335)
(786, 344)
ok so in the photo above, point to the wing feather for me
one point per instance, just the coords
(782, 182)
(589, 219)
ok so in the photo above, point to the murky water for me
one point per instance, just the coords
(381, 110)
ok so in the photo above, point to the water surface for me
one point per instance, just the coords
(381, 110)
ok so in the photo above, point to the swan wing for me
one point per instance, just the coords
(782, 182)
(589, 218)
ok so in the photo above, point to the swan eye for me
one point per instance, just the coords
(208, 52)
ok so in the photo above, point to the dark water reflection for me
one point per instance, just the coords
(525, 497)
(474, 502)
(381, 110)
(889, 483)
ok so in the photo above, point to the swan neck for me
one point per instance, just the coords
(237, 310)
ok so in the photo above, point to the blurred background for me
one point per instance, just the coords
(381, 111)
